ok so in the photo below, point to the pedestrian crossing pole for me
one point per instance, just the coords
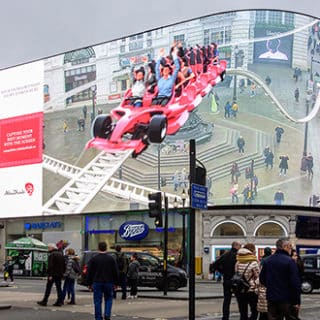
(192, 232)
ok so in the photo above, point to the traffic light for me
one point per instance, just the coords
(155, 207)
(201, 175)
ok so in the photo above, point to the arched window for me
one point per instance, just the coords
(270, 229)
(79, 56)
(228, 229)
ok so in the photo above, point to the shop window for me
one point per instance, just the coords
(270, 229)
(228, 229)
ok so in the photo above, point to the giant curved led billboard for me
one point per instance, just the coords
(254, 131)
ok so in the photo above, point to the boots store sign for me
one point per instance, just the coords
(43, 225)
(133, 230)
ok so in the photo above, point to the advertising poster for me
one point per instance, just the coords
(21, 140)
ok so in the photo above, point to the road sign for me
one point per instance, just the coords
(199, 196)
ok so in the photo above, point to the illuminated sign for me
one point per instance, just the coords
(43, 225)
(133, 230)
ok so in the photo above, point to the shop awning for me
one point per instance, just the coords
(27, 243)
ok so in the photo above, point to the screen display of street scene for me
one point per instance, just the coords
(100, 128)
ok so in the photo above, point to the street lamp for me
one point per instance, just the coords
(183, 247)
(236, 55)
(94, 92)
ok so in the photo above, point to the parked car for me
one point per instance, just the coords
(150, 271)
(311, 274)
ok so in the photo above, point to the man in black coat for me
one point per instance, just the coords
(56, 268)
(279, 274)
(225, 264)
(103, 274)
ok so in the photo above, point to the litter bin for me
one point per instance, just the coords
(198, 265)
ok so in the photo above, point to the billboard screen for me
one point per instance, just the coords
(48, 166)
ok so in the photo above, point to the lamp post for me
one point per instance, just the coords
(94, 92)
(251, 181)
(236, 55)
(183, 247)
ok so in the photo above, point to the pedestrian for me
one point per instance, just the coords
(65, 127)
(310, 164)
(253, 88)
(314, 200)
(269, 160)
(102, 276)
(227, 110)
(234, 193)
(235, 172)
(266, 151)
(8, 270)
(279, 274)
(234, 109)
(247, 194)
(279, 132)
(84, 111)
(248, 266)
(255, 182)
(55, 271)
(304, 163)
(268, 80)
(133, 276)
(262, 305)
(296, 94)
(283, 164)
(240, 143)
(278, 197)
(225, 264)
(122, 263)
(70, 275)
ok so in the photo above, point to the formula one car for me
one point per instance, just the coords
(128, 127)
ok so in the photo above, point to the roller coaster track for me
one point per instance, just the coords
(253, 76)
(115, 187)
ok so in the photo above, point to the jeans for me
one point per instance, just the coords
(227, 295)
(245, 300)
(102, 289)
(57, 281)
(68, 287)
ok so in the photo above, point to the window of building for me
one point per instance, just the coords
(123, 85)
(275, 17)
(122, 49)
(228, 229)
(288, 18)
(220, 35)
(179, 37)
(149, 43)
(261, 16)
(270, 229)
(79, 56)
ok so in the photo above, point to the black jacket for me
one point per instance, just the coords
(102, 268)
(279, 274)
(56, 264)
(225, 264)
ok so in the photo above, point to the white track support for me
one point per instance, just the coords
(115, 187)
(84, 183)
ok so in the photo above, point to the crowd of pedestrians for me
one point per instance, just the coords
(273, 283)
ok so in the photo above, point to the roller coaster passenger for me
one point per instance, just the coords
(166, 78)
(138, 88)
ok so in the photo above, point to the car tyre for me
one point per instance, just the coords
(157, 129)
(101, 126)
(173, 284)
(306, 286)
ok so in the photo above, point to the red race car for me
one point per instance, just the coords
(128, 127)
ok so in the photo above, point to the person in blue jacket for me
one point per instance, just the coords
(166, 78)
(279, 274)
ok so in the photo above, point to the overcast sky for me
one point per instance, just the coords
(35, 29)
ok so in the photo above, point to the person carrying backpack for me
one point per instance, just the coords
(122, 263)
(248, 267)
(225, 264)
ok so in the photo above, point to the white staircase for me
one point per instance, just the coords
(84, 183)
(113, 186)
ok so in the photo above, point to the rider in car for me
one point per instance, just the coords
(138, 88)
(166, 78)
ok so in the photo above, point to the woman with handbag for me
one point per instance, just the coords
(248, 266)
